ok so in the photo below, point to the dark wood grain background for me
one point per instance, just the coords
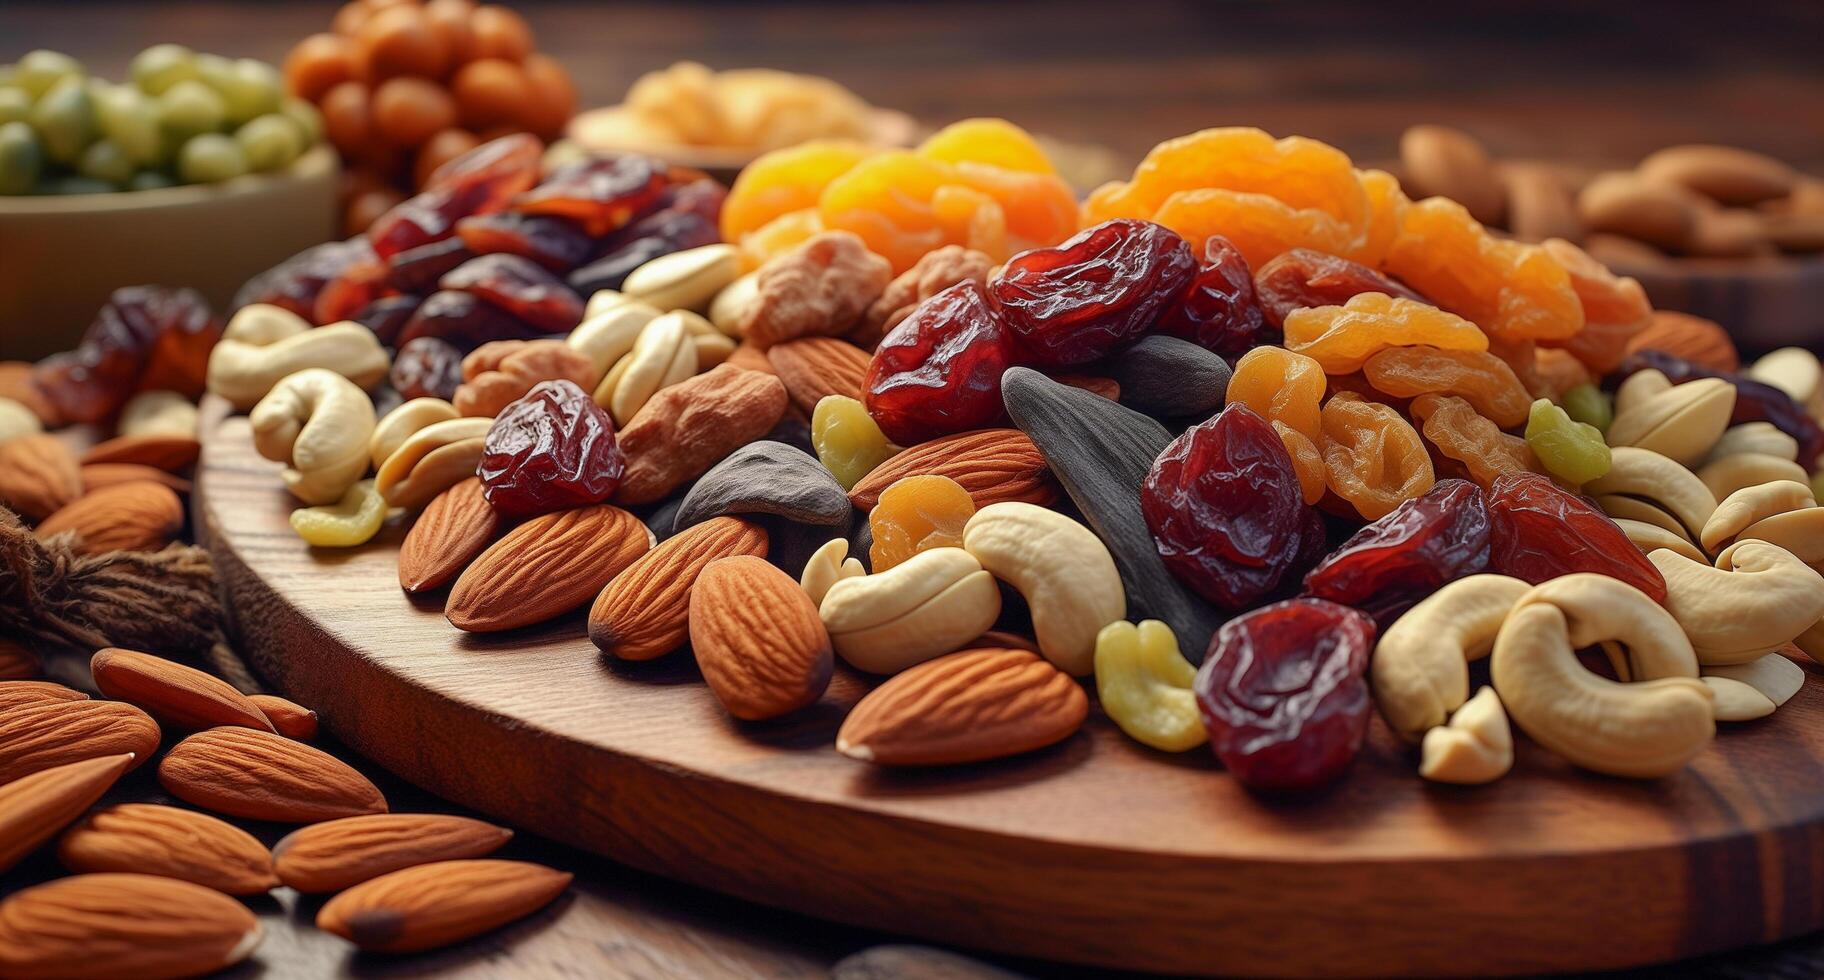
(1590, 83)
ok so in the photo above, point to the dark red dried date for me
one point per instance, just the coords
(558, 244)
(417, 221)
(388, 315)
(416, 270)
(939, 371)
(492, 174)
(552, 449)
(603, 193)
(687, 220)
(1302, 278)
(1098, 291)
(144, 336)
(465, 321)
(1755, 401)
(1226, 512)
(520, 286)
(1430, 540)
(1539, 531)
(294, 283)
(1218, 311)
(427, 367)
(344, 296)
(1283, 694)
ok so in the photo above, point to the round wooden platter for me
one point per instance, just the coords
(1096, 851)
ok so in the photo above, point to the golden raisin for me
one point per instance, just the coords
(916, 514)
(1342, 338)
(1286, 389)
(847, 440)
(1373, 456)
(1462, 434)
(1479, 377)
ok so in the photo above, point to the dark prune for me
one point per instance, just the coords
(144, 336)
(488, 176)
(388, 315)
(611, 270)
(1303, 278)
(520, 286)
(1755, 401)
(1218, 311)
(558, 244)
(1098, 291)
(1428, 541)
(1283, 694)
(602, 192)
(1224, 505)
(552, 449)
(1539, 531)
(416, 270)
(465, 321)
(939, 371)
(294, 283)
(427, 367)
(344, 296)
(687, 222)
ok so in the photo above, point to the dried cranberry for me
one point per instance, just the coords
(558, 244)
(1226, 512)
(1303, 278)
(1283, 695)
(344, 296)
(427, 367)
(388, 315)
(1099, 290)
(939, 371)
(488, 176)
(465, 321)
(520, 286)
(294, 283)
(552, 449)
(1539, 531)
(603, 192)
(1422, 544)
(1755, 401)
(144, 336)
(1218, 311)
(416, 270)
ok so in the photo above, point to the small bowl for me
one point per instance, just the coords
(1764, 303)
(607, 130)
(65, 254)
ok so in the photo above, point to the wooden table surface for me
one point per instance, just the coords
(1559, 79)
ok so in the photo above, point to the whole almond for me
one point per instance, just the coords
(243, 772)
(685, 429)
(812, 367)
(434, 905)
(758, 639)
(19, 694)
(994, 465)
(546, 567)
(1445, 162)
(1692, 338)
(176, 695)
(288, 718)
(39, 736)
(159, 451)
(123, 925)
(1539, 204)
(964, 707)
(34, 807)
(17, 661)
(1655, 212)
(455, 527)
(1724, 173)
(163, 840)
(751, 358)
(98, 475)
(645, 612)
(140, 516)
(38, 476)
(335, 854)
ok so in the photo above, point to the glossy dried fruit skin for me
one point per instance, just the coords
(387, 316)
(939, 371)
(427, 367)
(144, 337)
(689, 221)
(1287, 389)
(1218, 310)
(1461, 434)
(1374, 457)
(917, 514)
(1424, 543)
(1511, 290)
(558, 244)
(294, 283)
(1755, 401)
(417, 270)
(1539, 531)
(491, 174)
(551, 450)
(1303, 278)
(785, 181)
(1283, 693)
(1098, 291)
(344, 296)
(465, 321)
(602, 193)
(848, 442)
(1574, 452)
(521, 287)
(1478, 377)
(1342, 338)
(936, 272)
(1227, 512)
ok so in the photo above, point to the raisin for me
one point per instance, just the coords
(416, 270)
(388, 315)
(603, 193)
(558, 244)
(521, 287)
(1539, 531)
(553, 449)
(294, 283)
(1755, 401)
(428, 367)
(143, 337)
(847, 441)
(915, 514)
(344, 296)
(1301, 279)
(939, 371)
(1373, 455)
(1287, 390)
(465, 321)
(1098, 291)
(1342, 338)
(1283, 694)
(1226, 509)
(1478, 377)
(1218, 310)
(1424, 543)
(1463, 436)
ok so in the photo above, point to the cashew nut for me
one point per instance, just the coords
(318, 422)
(661, 357)
(1798, 531)
(17, 420)
(1731, 473)
(1795, 371)
(1639, 388)
(608, 333)
(828, 565)
(1063, 570)
(1643, 729)
(1754, 689)
(263, 344)
(1621, 508)
(1420, 668)
(1750, 505)
(730, 305)
(685, 280)
(1476, 747)
(348, 522)
(1651, 537)
(1762, 597)
(1646, 474)
(399, 424)
(1754, 437)
(1144, 685)
(601, 301)
(1599, 609)
(164, 413)
(1681, 423)
(432, 460)
(926, 606)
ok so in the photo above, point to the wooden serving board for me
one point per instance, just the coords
(1096, 851)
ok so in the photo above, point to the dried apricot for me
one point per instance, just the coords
(916, 514)
(995, 142)
(1374, 457)
(1303, 174)
(1615, 308)
(1480, 378)
(1511, 290)
(1387, 205)
(785, 181)
(1342, 338)
(1461, 434)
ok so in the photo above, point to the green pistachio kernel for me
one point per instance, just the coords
(1572, 451)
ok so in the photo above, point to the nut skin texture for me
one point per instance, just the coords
(172, 842)
(457, 526)
(338, 854)
(1758, 597)
(258, 775)
(924, 607)
(288, 718)
(140, 516)
(1062, 569)
(319, 424)
(1420, 670)
(502, 371)
(123, 925)
(645, 611)
(820, 288)
(18, 690)
(51, 733)
(437, 904)
(762, 649)
(994, 465)
(687, 428)
(1144, 685)
(34, 807)
(162, 451)
(38, 475)
(965, 707)
(814, 367)
(509, 585)
(179, 696)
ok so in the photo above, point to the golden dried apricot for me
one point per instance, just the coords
(1512, 290)
(916, 514)
(784, 181)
